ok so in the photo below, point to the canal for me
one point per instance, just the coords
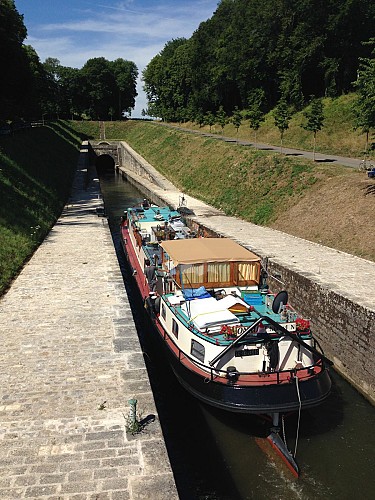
(220, 456)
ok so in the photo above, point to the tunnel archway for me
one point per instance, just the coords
(104, 163)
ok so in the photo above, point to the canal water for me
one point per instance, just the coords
(220, 456)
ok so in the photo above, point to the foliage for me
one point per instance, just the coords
(34, 90)
(221, 118)
(315, 116)
(15, 72)
(254, 113)
(364, 105)
(126, 74)
(282, 115)
(210, 119)
(294, 49)
(315, 119)
(236, 119)
(167, 79)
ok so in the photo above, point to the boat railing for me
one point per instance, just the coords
(282, 376)
(278, 328)
(316, 349)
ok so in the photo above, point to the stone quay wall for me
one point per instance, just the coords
(335, 290)
(139, 165)
(345, 329)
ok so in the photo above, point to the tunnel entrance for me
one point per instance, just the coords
(104, 163)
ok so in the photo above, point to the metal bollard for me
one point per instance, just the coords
(133, 413)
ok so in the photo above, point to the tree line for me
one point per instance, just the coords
(31, 90)
(253, 54)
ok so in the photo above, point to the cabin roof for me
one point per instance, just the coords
(200, 250)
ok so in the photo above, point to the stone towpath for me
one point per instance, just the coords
(70, 362)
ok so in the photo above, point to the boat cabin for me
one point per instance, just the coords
(210, 263)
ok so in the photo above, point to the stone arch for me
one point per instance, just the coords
(105, 163)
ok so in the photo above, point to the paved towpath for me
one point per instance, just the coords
(70, 361)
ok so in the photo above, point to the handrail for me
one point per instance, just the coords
(217, 372)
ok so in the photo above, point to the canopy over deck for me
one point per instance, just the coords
(201, 250)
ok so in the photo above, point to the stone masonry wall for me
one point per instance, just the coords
(344, 328)
(133, 161)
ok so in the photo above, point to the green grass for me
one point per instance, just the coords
(36, 171)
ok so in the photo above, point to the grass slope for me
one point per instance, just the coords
(336, 137)
(36, 171)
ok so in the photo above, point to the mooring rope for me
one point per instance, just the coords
(299, 416)
(283, 426)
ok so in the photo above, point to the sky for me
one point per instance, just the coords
(74, 31)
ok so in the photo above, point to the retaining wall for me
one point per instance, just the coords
(345, 329)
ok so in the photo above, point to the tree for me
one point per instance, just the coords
(236, 119)
(255, 116)
(199, 118)
(99, 87)
(41, 91)
(125, 74)
(71, 84)
(282, 115)
(15, 71)
(315, 118)
(53, 67)
(111, 112)
(255, 113)
(210, 119)
(364, 105)
(221, 118)
(167, 81)
(285, 47)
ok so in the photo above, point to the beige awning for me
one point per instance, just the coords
(200, 250)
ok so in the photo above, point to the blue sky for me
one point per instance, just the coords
(74, 31)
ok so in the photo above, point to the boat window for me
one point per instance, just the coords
(197, 350)
(218, 272)
(175, 328)
(248, 271)
(163, 311)
(192, 274)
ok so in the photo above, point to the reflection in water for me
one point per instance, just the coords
(221, 456)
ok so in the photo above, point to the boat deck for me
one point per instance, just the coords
(154, 214)
(244, 319)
